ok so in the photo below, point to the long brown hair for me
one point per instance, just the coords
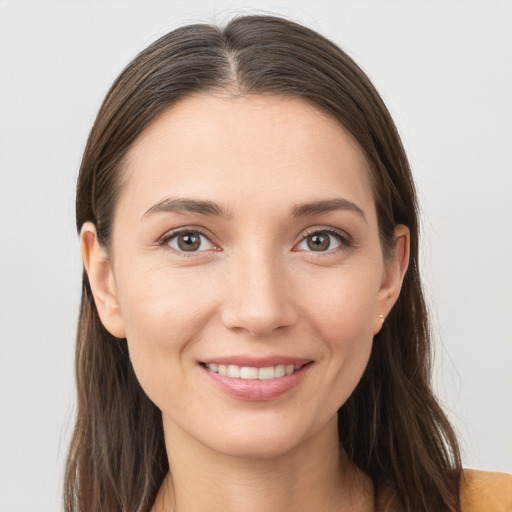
(392, 426)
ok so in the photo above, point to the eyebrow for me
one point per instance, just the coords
(184, 204)
(325, 206)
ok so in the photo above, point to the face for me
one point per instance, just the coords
(245, 270)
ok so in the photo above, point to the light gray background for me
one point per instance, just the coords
(443, 68)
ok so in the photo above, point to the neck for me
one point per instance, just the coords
(314, 476)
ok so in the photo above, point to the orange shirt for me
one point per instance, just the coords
(486, 491)
(481, 491)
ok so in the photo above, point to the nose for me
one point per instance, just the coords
(259, 295)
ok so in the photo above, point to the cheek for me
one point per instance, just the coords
(164, 314)
(343, 316)
(159, 304)
(343, 302)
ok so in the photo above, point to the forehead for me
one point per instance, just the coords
(240, 149)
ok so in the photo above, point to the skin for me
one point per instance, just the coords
(254, 287)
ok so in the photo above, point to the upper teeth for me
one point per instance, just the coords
(250, 372)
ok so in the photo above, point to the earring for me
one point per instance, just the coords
(381, 317)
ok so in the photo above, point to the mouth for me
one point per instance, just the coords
(261, 382)
(253, 372)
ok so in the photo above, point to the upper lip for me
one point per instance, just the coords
(256, 362)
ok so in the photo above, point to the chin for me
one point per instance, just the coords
(257, 447)
(267, 439)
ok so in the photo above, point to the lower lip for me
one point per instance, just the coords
(256, 390)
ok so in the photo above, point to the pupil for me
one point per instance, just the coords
(189, 242)
(318, 242)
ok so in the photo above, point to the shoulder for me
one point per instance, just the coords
(486, 491)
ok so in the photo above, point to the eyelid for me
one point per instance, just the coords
(169, 235)
(345, 239)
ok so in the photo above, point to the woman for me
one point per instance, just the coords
(253, 334)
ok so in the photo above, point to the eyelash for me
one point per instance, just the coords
(166, 239)
(345, 240)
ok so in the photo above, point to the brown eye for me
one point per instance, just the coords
(189, 241)
(318, 241)
(323, 241)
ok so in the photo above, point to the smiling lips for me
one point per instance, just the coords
(261, 382)
(252, 372)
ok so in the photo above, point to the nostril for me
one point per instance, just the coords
(257, 323)
(259, 301)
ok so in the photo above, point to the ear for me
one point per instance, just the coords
(393, 275)
(101, 280)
